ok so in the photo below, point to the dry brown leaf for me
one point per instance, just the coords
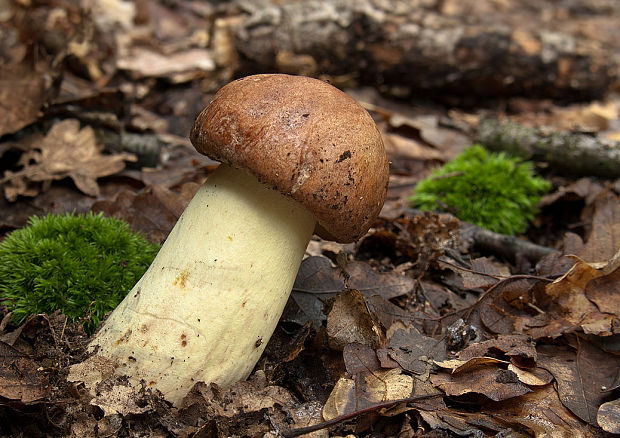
(463, 366)
(367, 389)
(415, 352)
(66, 151)
(495, 383)
(519, 348)
(401, 148)
(152, 211)
(570, 297)
(318, 280)
(583, 376)
(608, 416)
(350, 321)
(177, 67)
(359, 357)
(605, 292)
(20, 380)
(541, 412)
(24, 89)
(604, 239)
(119, 399)
(532, 377)
(484, 273)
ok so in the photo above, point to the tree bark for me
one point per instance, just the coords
(407, 49)
(565, 152)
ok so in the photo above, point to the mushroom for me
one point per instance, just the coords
(297, 155)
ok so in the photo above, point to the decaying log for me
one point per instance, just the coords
(407, 48)
(567, 153)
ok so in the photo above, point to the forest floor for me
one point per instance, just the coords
(427, 326)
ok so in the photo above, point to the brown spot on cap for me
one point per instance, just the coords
(308, 139)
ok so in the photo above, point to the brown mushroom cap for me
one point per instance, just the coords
(304, 138)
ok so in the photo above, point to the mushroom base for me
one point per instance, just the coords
(208, 304)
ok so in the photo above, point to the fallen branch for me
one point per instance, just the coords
(564, 152)
(411, 50)
(497, 244)
(501, 245)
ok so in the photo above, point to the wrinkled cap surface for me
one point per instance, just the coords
(304, 138)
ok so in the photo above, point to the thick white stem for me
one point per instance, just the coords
(206, 307)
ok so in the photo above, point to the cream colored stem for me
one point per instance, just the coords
(206, 307)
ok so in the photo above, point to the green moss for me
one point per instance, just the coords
(490, 190)
(83, 265)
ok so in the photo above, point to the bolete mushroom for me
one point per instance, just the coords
(296, 154)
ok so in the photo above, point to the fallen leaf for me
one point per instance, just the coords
(66, 151)
(518, 348)
(570, 300)
(532, 377)
(583, 376)
(608, 416)
(153, 210)
(495, 383)
(604, 291)
(177, 67)
(415, 352)
(604, 238)
(24, 89)
(359, 357)
(463, 366)
(483, 273)
(318, 280)
(365, 390)
(20, 378)
(119, 399)
(539, 411)
(350, 321)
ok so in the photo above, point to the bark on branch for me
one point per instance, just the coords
(564, 152)
(408, 49)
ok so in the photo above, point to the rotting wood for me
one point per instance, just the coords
(568, 153)
(408, 48)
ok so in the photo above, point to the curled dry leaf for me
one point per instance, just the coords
(365, 390)
(575, 295)
(66, 151)
(350, 321)
(608, 416)
(532, 377)
(519, 348)
(604, 238)
(495, 383)
(463, 366)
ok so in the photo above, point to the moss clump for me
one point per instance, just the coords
(83, 265)
(493, 191)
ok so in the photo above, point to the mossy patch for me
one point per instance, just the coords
(83, 265)
(491, 190)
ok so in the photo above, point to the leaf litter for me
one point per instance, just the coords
(417, 329)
